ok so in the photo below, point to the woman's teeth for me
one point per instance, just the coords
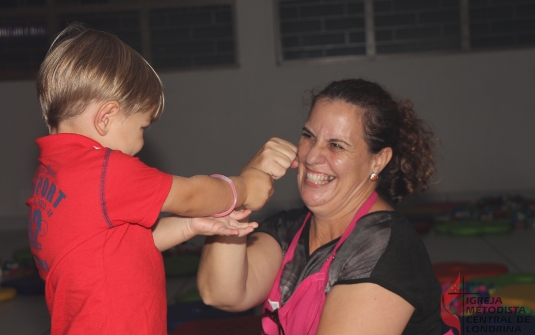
(319, 179)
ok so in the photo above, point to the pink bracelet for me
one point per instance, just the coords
(228, 180)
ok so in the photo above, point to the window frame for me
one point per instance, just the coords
(371, 45)
(53, 11)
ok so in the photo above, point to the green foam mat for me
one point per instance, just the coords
(474, 227)
(501, 281)
(181, 265)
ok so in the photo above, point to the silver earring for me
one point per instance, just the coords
(374, 176)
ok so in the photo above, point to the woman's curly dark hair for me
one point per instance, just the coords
(388, 122)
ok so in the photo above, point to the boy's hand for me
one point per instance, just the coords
(224, 226)
(274, 158)
(270, 163)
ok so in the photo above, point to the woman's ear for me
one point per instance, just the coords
(381, 159)
(107, 113)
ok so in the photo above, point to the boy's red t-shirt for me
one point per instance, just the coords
(89, 226)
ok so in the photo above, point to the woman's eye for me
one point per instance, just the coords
(337, 146)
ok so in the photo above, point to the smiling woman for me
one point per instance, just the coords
(334, 159)
(360, 151)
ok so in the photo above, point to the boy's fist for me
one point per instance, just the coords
(274, 158)
(270, 163)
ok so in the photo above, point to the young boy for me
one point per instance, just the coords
(92, 212)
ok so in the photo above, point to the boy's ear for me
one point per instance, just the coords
(106, 115)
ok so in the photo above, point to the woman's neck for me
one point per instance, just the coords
(325, 227)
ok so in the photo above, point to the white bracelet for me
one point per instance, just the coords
(228, 180)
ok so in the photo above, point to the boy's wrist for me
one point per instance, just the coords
(241, 190)
(190, 230)
(252, 181)
(234, 195)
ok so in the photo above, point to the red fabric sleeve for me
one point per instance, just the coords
(134, 192)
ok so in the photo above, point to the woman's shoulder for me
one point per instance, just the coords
(360, 252)
(391, 223)
(383, 217)
(376, 228)
(379, 239)
(387, 231)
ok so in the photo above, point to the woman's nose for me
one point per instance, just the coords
(315, 154)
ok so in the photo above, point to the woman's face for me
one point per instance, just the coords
(334, 161)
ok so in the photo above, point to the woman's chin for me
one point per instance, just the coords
(313, 199)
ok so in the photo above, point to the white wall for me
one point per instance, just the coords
(481, 105)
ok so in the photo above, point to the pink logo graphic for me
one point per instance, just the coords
(448, 296)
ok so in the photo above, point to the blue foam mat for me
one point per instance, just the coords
(195, 310)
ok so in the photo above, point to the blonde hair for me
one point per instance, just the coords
(85, 66)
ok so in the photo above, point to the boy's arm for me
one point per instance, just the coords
(205, 196)
(200, 196)
(173, 230)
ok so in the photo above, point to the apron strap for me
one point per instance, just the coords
(363, 210)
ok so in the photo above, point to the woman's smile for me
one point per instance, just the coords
(318, 179)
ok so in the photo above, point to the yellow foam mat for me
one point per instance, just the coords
(7, 293)
(520, 295)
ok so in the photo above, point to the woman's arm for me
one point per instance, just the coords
(237, 273)
(364, 309)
